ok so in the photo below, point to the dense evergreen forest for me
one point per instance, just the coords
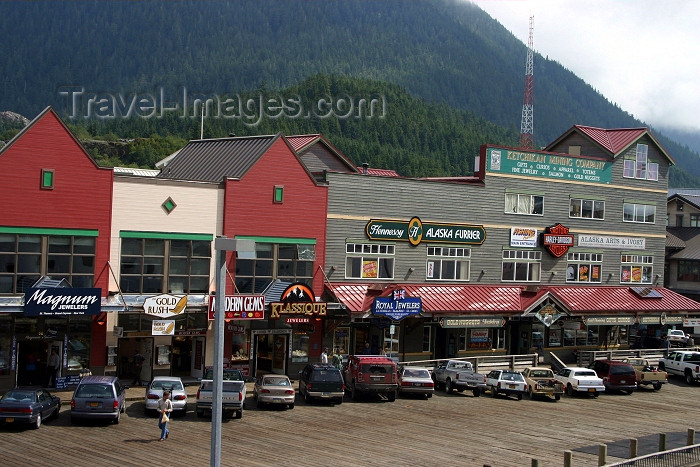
(447, 60)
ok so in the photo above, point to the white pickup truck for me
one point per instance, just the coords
(459, 375)
(684, 363)
(232, 397)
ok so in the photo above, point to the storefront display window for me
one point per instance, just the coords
(78, 357)
(240, 343)
(5, 344)
(300, 345)
(555, 337)
(163, 355)
(636, 268)
(341, 339)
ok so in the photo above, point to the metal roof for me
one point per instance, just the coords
(212, 160)
(381, 172)
(514, 300)
(673, 241)
(137, 172)
(690, 236)
(299, 142)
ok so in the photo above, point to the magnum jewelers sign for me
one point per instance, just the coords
(414, 231)
(547, 165)
(603, 241)
(59, 301)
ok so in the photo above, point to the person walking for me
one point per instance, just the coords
(324, 355)
(338, 359)
(54, 364)
(165, 408)
(138, 366)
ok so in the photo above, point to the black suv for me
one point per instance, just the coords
(321, 381)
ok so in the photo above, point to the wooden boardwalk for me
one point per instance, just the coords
(455, 430)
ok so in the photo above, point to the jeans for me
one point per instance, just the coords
(163, 428)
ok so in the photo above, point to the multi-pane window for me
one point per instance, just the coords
(521, 266)
(446, 263)
(689, 271)
(517, 203)
(24, 258)
(636, 269)
(157, 265)
(584, 267)
(586, 208)
(633, 212)
(694, 220)
(289, 262)
(369, 261)
(640, 167)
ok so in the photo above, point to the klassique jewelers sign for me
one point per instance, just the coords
(414, 231)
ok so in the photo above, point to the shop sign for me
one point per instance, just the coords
(523, 237)
(59, 301)
(491, 322)
(298, 299)
(479, 335)
(552, 166)
(398, 306)
(608, 320)
(548, 314)
(603, 241)
(163, 327)
(191, 332)
(414, 231)
(240, 307)
(298, 320)
(13, 355)
(650, 320)
(165, 305)
(62, 382)
(691, 322)
(557, 240)
(674, 319)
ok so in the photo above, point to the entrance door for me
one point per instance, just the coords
(31, 363)
(198, 346)
(270, 353)
(182, 355)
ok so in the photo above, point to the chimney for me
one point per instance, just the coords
(365, 166)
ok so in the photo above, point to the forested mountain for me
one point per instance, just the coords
(448, 58)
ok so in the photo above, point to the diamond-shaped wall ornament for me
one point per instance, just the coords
(168, 205)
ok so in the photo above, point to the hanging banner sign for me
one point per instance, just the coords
(163, 327)
(59, 301)
(546, 165)
(240, 307)
(165, 305)
(414, 231)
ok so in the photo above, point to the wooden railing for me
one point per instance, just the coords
(486, 363)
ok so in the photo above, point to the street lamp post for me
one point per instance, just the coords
(244, 248)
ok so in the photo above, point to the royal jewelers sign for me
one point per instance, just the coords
(398, 306)
(546, 165)
(414, 231)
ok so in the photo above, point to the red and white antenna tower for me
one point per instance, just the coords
(527, 139)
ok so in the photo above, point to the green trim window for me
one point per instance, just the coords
(639, 167)
(642, 213)
(369, 261)
(528, 204)
(450, 264)
(47, 177)
(278, 197)
(587, 208)
(688, 271)
(24, 258)
(695, 220)
(521, 266)
(158, 265)
(288, 262)
(584, 267)
(636, 269)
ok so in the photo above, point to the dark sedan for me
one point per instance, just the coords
(28, 405)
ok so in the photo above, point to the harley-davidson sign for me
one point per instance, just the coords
(557, 240)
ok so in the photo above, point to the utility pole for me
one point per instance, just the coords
(527, 135)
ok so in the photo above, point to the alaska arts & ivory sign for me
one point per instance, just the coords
(414, 231)
(546, 165)
(603, 241)
(60, 301)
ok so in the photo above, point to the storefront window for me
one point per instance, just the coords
(426, 338)
(79, 329)
(300, 344)
(5, 344)
(240, 343)
(554, 337)
(341, 339)
(391, 342)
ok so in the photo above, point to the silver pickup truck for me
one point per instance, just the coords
(232, 397)
(459, 375)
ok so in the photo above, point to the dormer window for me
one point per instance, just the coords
(640, 167)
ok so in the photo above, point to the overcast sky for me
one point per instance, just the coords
(643, 55)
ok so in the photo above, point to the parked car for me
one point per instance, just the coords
(677, 338)
(616, 375)
(506, 382)
(229, 374)
(274, 389)
(646, 373)
(233, 395)
(415, 380)
(321, 381)
(98, 398)
(459, 375)
(541, 382)
(685, 363)
(178, 395)
(580, 380)
(370, 374)
(28, 405)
